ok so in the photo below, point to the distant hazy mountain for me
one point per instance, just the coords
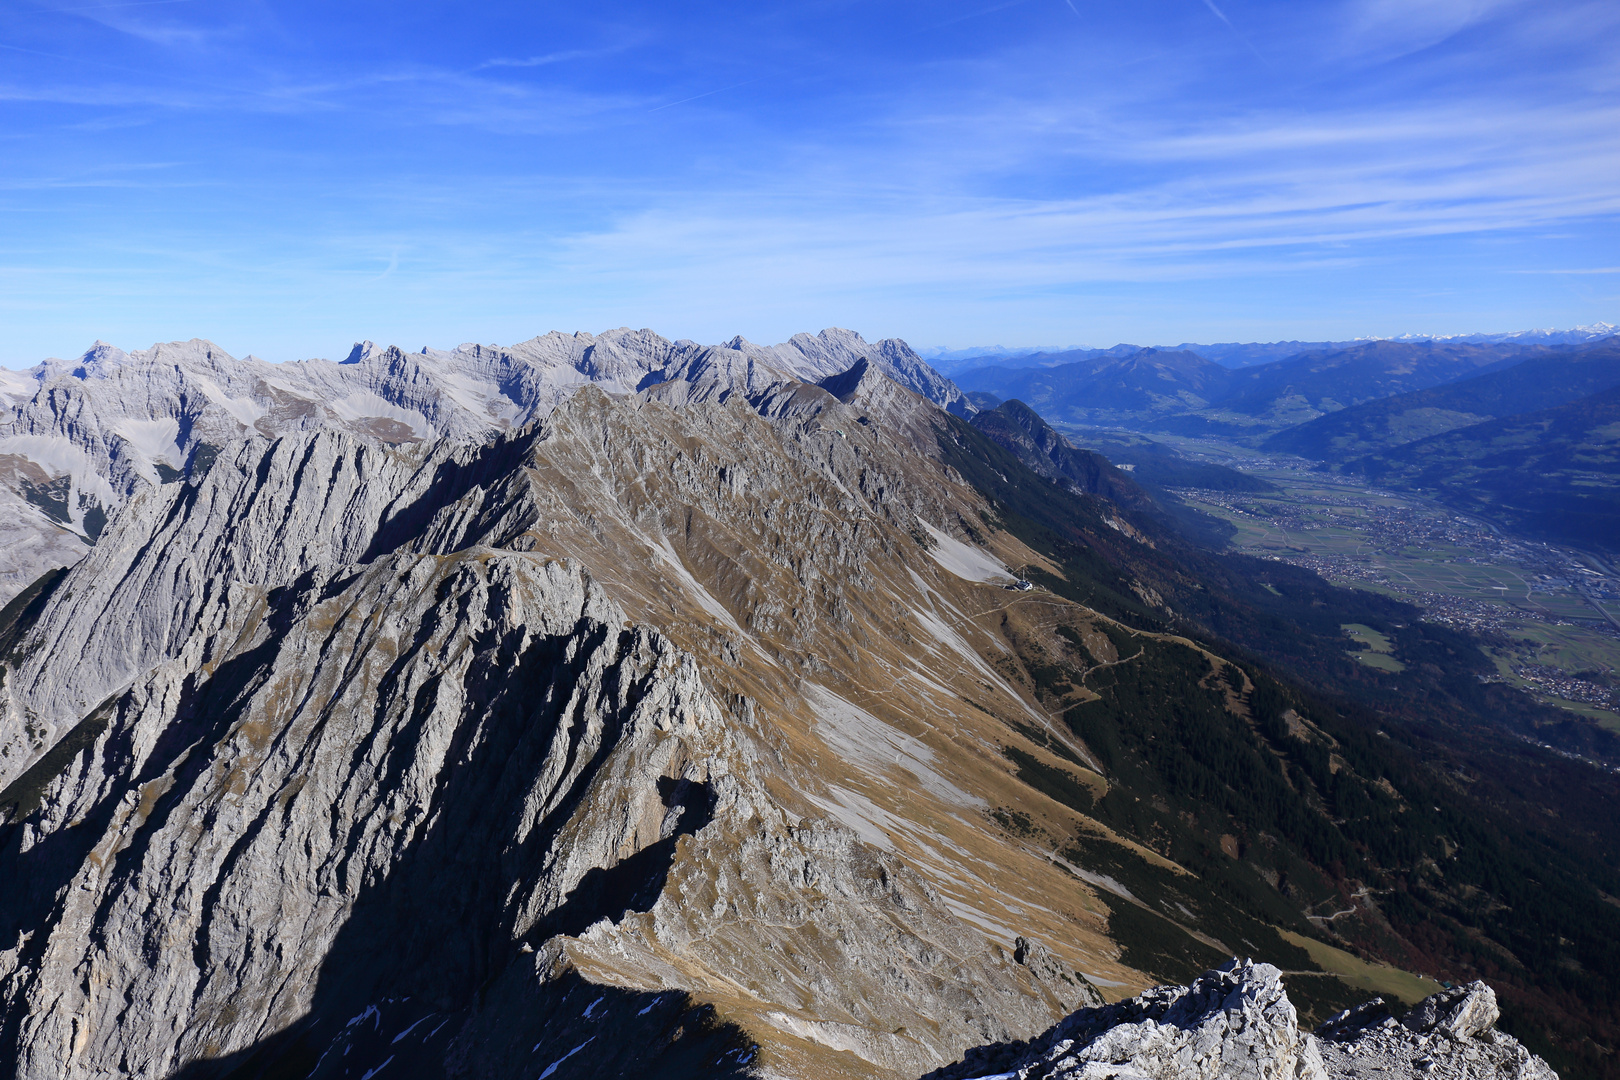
(1248, 354)
(1575, 336)
(950, 361)
(1240, 354)
(1540, 382)
(1030, 358)
(1139, 386)
(1332, 379)
(1157, 390)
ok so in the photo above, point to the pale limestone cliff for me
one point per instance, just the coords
(79, 437)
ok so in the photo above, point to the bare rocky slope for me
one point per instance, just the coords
(651, 709)
(689, 729)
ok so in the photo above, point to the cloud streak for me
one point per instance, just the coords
(539, 61)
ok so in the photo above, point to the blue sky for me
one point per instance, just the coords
(286, 178)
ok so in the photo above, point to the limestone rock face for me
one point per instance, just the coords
(834, 350)
(1237, 1022)
(1451, 1034)
(1460, 1012)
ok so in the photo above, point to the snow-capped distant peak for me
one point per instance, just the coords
(1550, 336)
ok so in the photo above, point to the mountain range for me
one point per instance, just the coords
(1242, 354)
(612, 706)
(79, 437)
(1180, 391)
(1426, 416)
(1540, 382)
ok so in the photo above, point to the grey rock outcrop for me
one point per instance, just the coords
(1449, 1035)
(1234, 1022)
(814, 358)
(1237, 1022)
(1459, 1012)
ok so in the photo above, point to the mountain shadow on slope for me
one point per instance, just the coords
(426, 954)
(23, 610)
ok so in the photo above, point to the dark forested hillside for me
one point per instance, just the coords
(1545, 380)
(1552, 474)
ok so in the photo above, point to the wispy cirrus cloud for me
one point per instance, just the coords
(997, 162)
(1577, 270)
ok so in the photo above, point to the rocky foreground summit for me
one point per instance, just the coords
(1236, 1023)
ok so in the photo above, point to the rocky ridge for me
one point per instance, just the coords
(79, 437)
(1237, 1022)
(651, 715)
